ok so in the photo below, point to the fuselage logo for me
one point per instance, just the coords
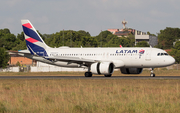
(126, 51)
(141, 51)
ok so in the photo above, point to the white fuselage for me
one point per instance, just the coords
(121, 57)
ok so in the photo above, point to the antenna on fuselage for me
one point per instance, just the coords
(101, 39)
(63, 37)
(71, 39)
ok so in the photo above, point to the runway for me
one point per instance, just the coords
(94, 77)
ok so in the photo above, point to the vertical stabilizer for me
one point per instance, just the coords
(34, 42)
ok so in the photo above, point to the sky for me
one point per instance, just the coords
(51, 16)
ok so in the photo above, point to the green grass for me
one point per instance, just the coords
(90, 96)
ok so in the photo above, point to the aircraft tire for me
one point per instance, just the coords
(152, 75)
(108, 75)
(88, 74)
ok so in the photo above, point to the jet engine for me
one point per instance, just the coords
(131, 70)
(105, 68)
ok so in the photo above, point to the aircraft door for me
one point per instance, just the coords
(148, 55)
(107, 55)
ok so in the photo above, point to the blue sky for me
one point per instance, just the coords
(50, 16)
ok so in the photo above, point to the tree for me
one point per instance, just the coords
(150, 34)
(21, 36)
(89, 42)
(4, 58)
(5, 31)
(20, 46)
(104, 37)
(131, 38)
(176, 52)
(177, 45)
(7, 40)
(142, 44)
(167, 36)
(83, 33)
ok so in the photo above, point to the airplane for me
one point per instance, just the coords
(100, 60)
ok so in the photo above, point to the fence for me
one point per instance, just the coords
(59, 69)
(41, 69)
(175, 66)
(10, 69)
(55, 69)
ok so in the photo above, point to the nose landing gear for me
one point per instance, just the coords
(152, 73)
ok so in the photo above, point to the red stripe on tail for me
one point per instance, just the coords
(31, 40)
(28, 25)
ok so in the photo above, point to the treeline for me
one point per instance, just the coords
(9, 41)
(166, 38)
(83, 38)
(67, 38)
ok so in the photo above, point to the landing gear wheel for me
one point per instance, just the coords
(88, 74)
(152, 75)
(108, 75)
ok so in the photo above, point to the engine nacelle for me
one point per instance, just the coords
(131, 70)
(105, 68)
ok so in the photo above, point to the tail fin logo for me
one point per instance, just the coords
(34, 42)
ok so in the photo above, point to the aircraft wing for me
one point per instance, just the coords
(72, 60)
(69, 60)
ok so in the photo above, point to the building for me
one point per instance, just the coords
(122, 32)
(139, 36)
(142, 36)
(15, 58)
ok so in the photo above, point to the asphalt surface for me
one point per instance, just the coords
(94, 77)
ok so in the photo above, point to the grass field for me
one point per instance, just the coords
(158, 72)
(90, 95)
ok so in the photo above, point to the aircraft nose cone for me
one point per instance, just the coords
(171, 60)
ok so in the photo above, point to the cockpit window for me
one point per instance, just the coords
(161, 54)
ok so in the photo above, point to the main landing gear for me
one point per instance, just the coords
(88, 74)
(108, 75)
(152, 73)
